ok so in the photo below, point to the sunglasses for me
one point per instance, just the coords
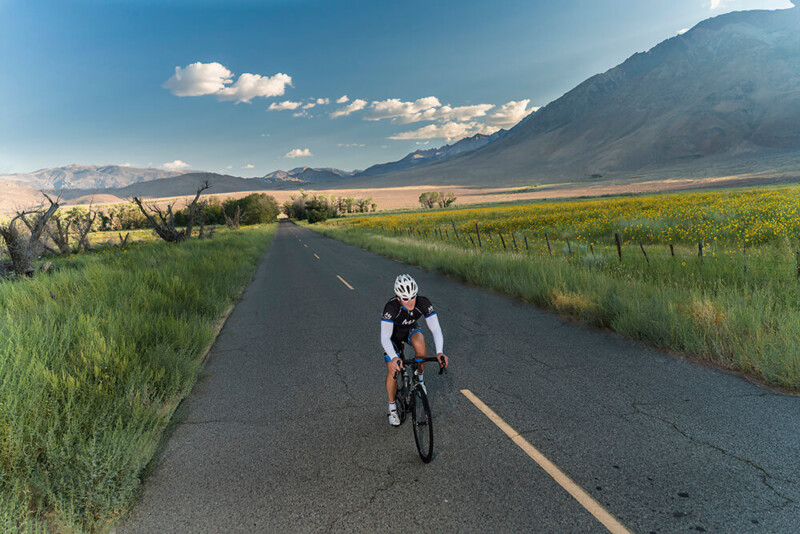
(406, 300)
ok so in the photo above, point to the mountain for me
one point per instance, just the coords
(185, 184)
(419, 157)
(724, 94)
(307, 175)
(87, 177)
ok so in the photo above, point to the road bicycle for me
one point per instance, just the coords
(411, 398)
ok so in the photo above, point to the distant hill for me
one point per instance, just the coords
(725, 92)
(419, 157)
(307, 175)
(87, 177)
(185, 184)
(15, 197)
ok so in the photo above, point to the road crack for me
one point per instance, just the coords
(766, 478)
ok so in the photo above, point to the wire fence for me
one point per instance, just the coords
(712, 257)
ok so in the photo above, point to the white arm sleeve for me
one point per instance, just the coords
(436, 330)
(386, 339)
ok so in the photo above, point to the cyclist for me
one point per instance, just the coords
(399, 326)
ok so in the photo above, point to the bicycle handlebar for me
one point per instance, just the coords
(407, 361)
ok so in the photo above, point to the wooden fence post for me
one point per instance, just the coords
(473, 241)
(503, 240)
(797, 259)
(515, 241)
(478, 234)
(547, 238)
(569, 248)
(700, 251)
(645, 253)
(671, 250)
(591, 248)
(526, 242)
(619, 246)
(454, 227)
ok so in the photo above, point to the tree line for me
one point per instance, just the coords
(319, 208)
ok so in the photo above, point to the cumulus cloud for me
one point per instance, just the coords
(355, 105)
(684, 30)
(309, 105)
(175, 165)
(249, 166)
(448, 131)
(342, 99)
(198, 79)
(394, 107)
(298, 153)
(323, 101)
(447, 113)
(510, 113)
(281, 106)
(303, 113)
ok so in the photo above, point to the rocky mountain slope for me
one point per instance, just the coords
(306, 174)
(87, 177)
(727, 90)
(420, 157)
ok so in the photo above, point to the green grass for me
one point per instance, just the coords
(743, 320)
(94, 359)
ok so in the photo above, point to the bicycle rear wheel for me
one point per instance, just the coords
(423, 424)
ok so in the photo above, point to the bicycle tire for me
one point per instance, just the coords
(423, 424)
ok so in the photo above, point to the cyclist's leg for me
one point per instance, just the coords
(417, 340)
(391, 382)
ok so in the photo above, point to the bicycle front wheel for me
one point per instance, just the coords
(423, 424)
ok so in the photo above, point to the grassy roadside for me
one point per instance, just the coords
(94, 359)
(749, 328)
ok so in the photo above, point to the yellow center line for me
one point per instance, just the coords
(586, 500)
(345, 283)
(316, 256)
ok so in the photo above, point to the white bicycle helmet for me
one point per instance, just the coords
(405, 287)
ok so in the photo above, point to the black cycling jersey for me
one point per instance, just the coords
(404, 320)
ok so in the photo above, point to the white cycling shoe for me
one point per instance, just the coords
(394, 419)
(422, 385)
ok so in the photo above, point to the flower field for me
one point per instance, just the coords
(736, 218)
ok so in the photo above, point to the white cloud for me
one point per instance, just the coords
(126, 165)
(355, 105)
(310, 105)
(447, 113)
(198, 79)
(264, 135)
(229, 167)
(303, 113)
(298, 153)
(249, 166)
(350, 145)
(716, 4)
(448, 131)
(342, 99)
(323, 101)
(423, 142)
(511, 113)
(394, 107)
(681, 32)
(175, 165)
(281, 106)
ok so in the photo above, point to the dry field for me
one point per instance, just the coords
(393, 198)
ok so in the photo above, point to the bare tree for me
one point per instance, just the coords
(58, 230)
(83, 224)
(24, 247)
(234, 221)
(164, 225)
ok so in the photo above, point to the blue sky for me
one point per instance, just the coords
(95, 82)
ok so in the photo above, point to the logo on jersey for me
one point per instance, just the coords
(387, 315)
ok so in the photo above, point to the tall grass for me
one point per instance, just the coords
(94, 358)
(714, 311)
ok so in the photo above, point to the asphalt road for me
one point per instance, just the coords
(286, 430)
